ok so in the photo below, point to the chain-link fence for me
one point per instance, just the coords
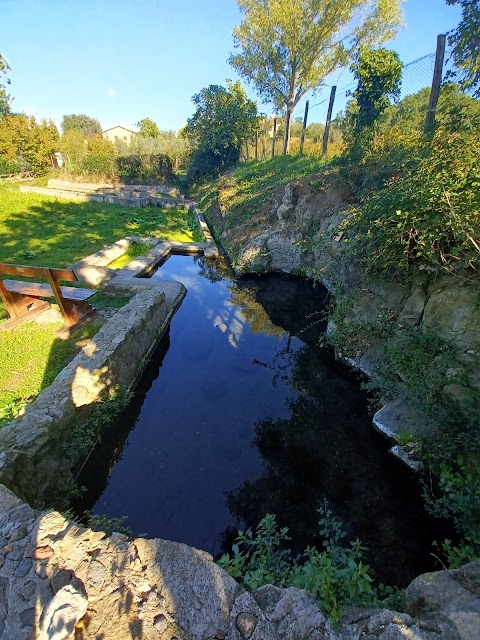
(416, 75)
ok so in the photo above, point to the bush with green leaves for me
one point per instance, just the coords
(427, 216)
(98, 165)
(335, 576)
(7, 167)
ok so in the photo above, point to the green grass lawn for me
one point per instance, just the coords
(41, 230)
(30, 359)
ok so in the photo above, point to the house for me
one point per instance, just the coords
(118, 133)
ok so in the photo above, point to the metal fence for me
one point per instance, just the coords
(418, 74)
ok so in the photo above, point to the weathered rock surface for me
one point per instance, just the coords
(61, 581)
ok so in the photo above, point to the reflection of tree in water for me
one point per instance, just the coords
(213, 270)
(254, 313)
(327, 449)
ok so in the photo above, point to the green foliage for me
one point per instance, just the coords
(100, 146)
(87, 431)
(378, 72)
(72, 145)
(30, 359)
(87, 125)
(148, 128)
(464, 42)
(286, 49)
(152, 166)
(427, 216)
(222, 120)
(5, 98)
(176, 148)
(422, 365)
(95, 164)
(7, 167)
(109, 525)
(335, 575)
(27, 143)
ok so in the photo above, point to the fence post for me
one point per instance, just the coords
(436, 83)
(264, 143)
(256, 146)
(329, 118)
(273, 137)
(302, 139)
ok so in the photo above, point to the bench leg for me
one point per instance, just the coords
(38, 307)
(83, 312)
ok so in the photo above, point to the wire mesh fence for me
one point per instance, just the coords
(416, 75)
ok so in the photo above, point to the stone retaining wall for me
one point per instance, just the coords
(126, 199)
(60, 581)
(32, 454)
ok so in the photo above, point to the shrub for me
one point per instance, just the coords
(7, 167)
(335, 576)
(99, 165)
(162, 166)
(129, 166)
(204, 164)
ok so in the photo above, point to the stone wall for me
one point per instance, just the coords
(32, 457)
(60, 581)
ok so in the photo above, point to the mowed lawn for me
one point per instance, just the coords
(40, 230)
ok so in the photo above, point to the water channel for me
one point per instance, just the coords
(243, 411)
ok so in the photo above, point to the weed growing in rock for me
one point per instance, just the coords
(101, 522)
(336, 576)
(85, 433)
(421, 365)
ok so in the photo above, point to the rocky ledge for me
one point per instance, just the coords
(61, 581)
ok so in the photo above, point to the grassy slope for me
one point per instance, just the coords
(251, 184)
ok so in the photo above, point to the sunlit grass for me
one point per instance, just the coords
(30, 359)
(242, 192)
(41, 230)
(135, 250)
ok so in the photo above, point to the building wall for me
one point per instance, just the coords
(118, 133)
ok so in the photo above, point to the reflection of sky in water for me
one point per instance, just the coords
(192, 439)
(230, 374)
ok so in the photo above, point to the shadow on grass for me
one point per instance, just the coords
(56, 233)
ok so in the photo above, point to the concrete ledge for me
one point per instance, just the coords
(128, 199)
(32, 454)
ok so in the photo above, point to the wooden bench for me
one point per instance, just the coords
(25, 300)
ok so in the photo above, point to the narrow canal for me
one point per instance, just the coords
(244, 411)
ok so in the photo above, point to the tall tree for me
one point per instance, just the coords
(287, 47)
(224, 118)
(87, 125)
(464, 42)
(5, 98)
(26, 142)
(148, 128)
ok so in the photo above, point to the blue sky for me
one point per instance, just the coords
(122, 60)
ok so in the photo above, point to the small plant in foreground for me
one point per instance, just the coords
(101, 522)
(335, 575)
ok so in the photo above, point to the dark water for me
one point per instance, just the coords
(242, 412)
